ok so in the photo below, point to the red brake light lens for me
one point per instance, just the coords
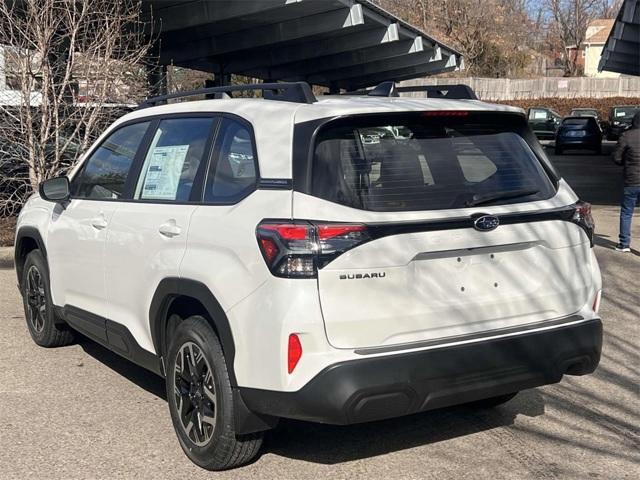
(327, 232)
(289, 232)
(446, 113)
(269, 249)
(294, 352)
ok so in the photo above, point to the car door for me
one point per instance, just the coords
(148, 234)
(77, 232)
(539, 120)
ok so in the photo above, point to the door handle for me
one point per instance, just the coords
(99, 223)
(170, 229)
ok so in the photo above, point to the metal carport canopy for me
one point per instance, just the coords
(335, 43)
(621, 53)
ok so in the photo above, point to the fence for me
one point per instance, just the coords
(545, 87)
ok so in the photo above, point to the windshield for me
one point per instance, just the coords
(424, 163)
(624, 113)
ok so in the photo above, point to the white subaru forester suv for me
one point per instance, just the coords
(337, 260)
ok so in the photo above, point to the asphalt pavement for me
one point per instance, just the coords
(81, 412)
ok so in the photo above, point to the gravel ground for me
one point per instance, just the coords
(81, 412)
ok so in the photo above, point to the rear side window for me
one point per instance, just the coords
(538, 114)
(233, 173)
(104, 174)
(173, 159)
(425, 162)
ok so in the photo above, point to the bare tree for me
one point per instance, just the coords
(569, 21)
(72, 64)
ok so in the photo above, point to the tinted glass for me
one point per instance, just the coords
(233, 174)
(624, 113)
(173, 159)
(105, 173)
(583, 122)
(584, 113)
(423, 163)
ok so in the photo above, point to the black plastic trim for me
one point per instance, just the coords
(112, 335)
(173, 287)
(275, 184)
(23, 233)
(374, 388)
(379, 230)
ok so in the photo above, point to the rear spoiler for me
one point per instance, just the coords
(450, 92)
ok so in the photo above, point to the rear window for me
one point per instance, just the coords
(582, 122)
(584, 113)
(425, 162)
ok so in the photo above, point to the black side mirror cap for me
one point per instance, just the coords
(55, 190)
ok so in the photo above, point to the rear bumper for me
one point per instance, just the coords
(390, 386)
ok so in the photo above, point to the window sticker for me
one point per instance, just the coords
(164, 169)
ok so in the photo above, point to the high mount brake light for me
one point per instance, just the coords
(298, 249)
(583, 218)
(446, 113)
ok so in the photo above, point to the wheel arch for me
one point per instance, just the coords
(174, 289)
(27, 239)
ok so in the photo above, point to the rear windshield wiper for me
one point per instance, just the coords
(492, 197)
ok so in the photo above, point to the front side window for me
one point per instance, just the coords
(173, 159)
(104, 174)
(425, 162)
(233, 173)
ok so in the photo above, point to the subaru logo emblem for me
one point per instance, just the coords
(486, 223)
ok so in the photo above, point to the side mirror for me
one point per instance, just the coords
(55, 190)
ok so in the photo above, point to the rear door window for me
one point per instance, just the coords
(420, 162)
(173, 159)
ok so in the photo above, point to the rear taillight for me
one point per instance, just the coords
(298, 249)
(582, 217)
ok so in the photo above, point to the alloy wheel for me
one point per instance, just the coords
(36, 299)
(195, 395)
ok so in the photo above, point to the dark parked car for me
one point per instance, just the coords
(620, 118)
(544, 122)
(591, 112)
(579, 133)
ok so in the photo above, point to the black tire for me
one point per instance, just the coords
(211, 445)
(493, 401)
(558, 150)
(44, 327)
(599, 150)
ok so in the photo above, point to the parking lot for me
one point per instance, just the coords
(82, 412)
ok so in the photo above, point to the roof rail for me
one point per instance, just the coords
(389, 89)
(296, 92)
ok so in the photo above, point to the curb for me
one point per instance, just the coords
(6, 257)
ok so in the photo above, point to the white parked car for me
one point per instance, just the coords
(336, 260)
